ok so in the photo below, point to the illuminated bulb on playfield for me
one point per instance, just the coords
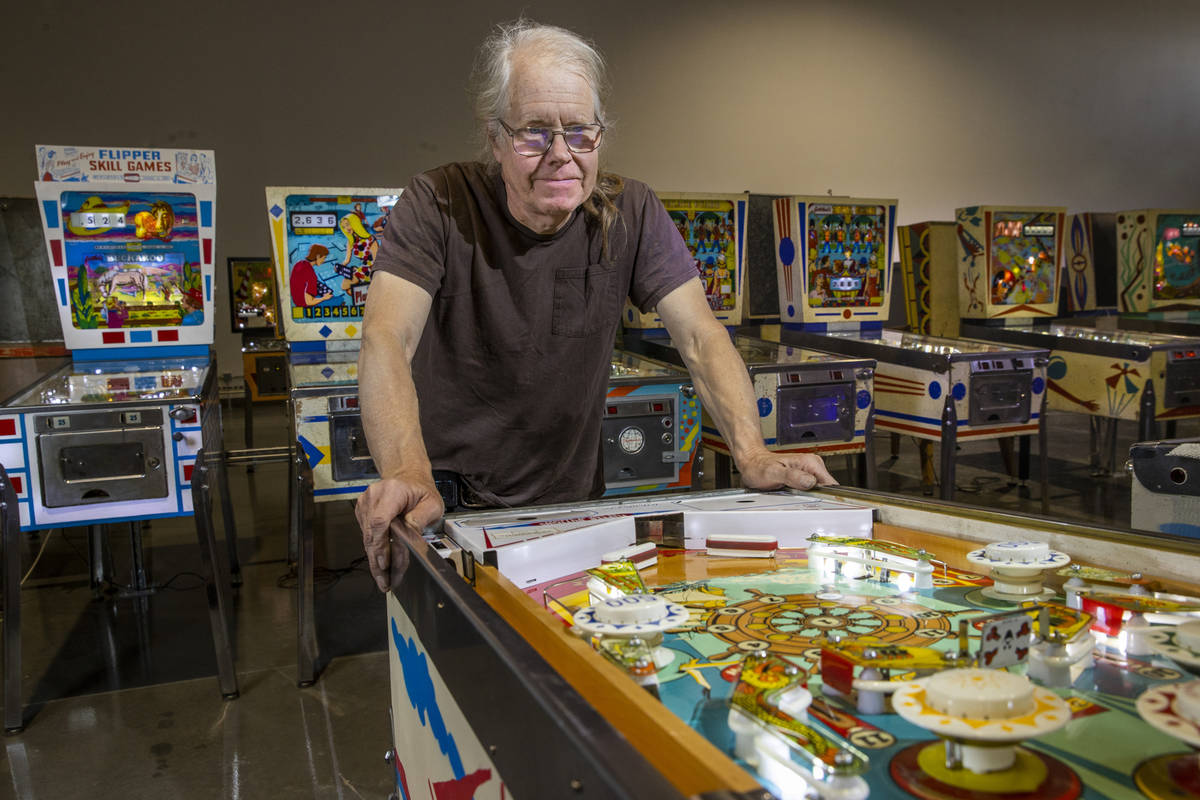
(904, 582)
(1120, 641)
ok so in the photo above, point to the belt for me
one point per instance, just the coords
(457, 494)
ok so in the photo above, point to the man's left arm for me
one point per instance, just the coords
(720, 377)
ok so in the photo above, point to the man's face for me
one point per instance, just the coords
(543, 191)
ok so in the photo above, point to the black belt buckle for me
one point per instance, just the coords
(447, 486)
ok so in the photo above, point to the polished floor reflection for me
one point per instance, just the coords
(122, 695)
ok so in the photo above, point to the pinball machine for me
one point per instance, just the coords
(836, 280)
(1158, 268)
(1087, 280)
(1137, 269)
(328, 238)
(931, 296)
(1165, 486)
(253, 314)
(1008, 258)
(130, 428)
(323, 244)
(793, 645)
(807, 401)
(324, 241)
(650, 427)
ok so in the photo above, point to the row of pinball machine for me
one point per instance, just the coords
(670, 640)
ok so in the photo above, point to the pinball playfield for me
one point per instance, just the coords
(782, 606)
(829, 649)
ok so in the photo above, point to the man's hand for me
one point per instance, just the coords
(416, 503)
(767, 470)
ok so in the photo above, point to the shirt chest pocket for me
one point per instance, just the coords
(584, 300)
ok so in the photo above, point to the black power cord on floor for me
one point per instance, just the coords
(324, 578)
(111, 586)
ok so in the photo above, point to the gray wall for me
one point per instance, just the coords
(1091, 105)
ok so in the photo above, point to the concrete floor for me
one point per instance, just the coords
(122, 696)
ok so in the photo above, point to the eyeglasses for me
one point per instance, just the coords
(537, 140)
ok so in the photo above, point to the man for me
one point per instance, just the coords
(495, 301)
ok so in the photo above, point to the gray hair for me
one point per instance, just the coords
(491, 81)
(492, 75)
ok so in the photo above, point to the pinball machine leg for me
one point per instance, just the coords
(1110, 457)
(140, 583)
(248, 405)
(306, 632)
(293, 488)
(867, 469)
(698, 470)
(1095, 430)
(895, 446)
(949, 446)
(99, 558)
(1005, 445)
(10, 530)
(1023, 448)
(928, 476)
(214, 582)
(722, 470)
(231, 539)
(1104, 445)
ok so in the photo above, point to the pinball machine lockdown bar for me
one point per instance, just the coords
(567, 746)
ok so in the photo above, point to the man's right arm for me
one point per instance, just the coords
(395, 317)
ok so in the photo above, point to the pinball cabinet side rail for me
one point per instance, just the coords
(573, 739)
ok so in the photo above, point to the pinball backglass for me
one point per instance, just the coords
(324, 242)
(1008, 260)
(713, 227)
(130, 237)
(834, 258)
(253, 308)
(1157, 264)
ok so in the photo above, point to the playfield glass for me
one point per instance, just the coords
(757, 352)
(252, 294)
(1133, 338)
(709, 227)
(307, 369)
(922, 343)
(1023, 265)
(627, 365)
(119, 381)
(846, 258)
(1176, 269)
(331, 245)
(133, 259)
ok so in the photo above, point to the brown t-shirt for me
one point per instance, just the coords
(513, 366)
